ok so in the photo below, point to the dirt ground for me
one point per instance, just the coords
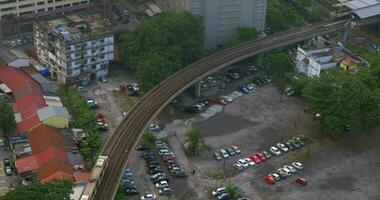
(344, 169)
(347, 168)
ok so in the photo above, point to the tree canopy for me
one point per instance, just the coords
(51, 191)
(345, 101)
(280, 67)
(244, 34)
(7, 118)
(161, 46)
(195, 142)
(282, 16)
(84, 118)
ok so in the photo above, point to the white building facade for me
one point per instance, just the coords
(312, 62)
(74, 53)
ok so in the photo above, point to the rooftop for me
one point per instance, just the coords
(9, 56)
(363, 8)
(77, 26)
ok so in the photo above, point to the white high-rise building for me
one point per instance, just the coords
(74, 48)
(221, 17)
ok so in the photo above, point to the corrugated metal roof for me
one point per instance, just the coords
(26, 164)
(52, 111)
(358, 4)
(368, 11)
(28, 124)
(81, 177)
(55, 170)
(53, 101)
(6, 55)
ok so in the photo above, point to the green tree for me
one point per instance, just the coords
(280, 67)
(161, 46)
(84, 118)
(344, 100)
(51, 191)
(194, 141)
(244, 34)
(282, 16)
(233, 190)
(7, 118)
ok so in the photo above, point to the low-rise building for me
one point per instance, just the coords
(75, 47)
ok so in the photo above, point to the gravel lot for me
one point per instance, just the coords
(347, 168)
(342, 169)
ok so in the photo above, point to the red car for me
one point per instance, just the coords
(261, 156)
(301, 181)
(221, 101)
(100, 115)
(167, 158)
(269, 179)
(102, 120)
(255, 159)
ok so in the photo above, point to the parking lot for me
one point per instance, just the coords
(255, 122)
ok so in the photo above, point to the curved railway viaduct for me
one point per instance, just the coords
(123, 140)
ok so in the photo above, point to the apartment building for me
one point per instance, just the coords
(221, 18)
(75, 48)
(30, 8)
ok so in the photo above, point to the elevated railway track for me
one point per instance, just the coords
(123, 140)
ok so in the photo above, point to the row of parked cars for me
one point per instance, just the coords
(283, 172)
(128, 183)
(252, 160)
(158, 177)
(170, 160)
(226, 153)
(101, 122)
(290, 145)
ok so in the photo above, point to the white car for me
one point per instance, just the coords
(224, 153)
(239, 166)
(275, 151)
(162, 184)
(291, 168)
(236, 149)
(219, 191)
(297, 165)
(154, 127)
(243, 162)
(227, 98)
(275, 176)
(285, 171)
(283, 147)
(148, 196)
(211, 79)
(250, 162)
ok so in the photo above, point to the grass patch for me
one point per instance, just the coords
(120, 195)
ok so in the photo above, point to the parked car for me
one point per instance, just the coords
(203, 84)
(290, 146)
(8, 170)
(270, 180)
(180, 174)
(7, 162)
(219, 191)
(227, 98)
(224, 153)
(131, 192)
(239, 167)
(235, 75)
(275, 176)
(255, 159)
(142, 147)
(261, 156)
(295, 144)
(301, 181)
(266, 154)
(211, 80)
(251, 87)
(165, 191)
(224, 196)
(148, 196)
(231, 151)
(236, 149)
(243, 162)
(244, 89)
(250, 162)
(217, 156)
(162, 184)
(154, 127)
(275, 151)
(157, 175)
(297, 165)
(283, 147)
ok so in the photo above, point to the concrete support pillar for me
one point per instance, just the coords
(260, 59)
(197, 90)
(345, 32)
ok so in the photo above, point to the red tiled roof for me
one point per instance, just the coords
(81, 177)
(55, 169)
(19, 82)
(50, 154)
(42, 137)
(26, 164)
(28, 124)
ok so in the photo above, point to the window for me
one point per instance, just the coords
(93, 51)
(41, 3)
(50, 8)
(58, 7)
(26, 5)
(41, 10)
(50, 1)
